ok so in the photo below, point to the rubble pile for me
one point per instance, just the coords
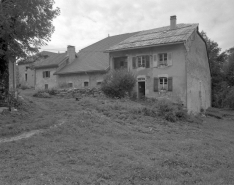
(76, 93)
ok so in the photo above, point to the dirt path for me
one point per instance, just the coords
(30, 133)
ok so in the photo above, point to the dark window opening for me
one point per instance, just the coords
(120, 63)
(46, 74)
(141, 89)
(70, 85)
(86, 84)
(26, 77)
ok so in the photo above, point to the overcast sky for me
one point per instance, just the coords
(84, 22)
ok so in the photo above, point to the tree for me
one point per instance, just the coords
(216, 61)
(230, 67)
(25, 26)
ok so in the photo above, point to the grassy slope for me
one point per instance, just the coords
(106, 142)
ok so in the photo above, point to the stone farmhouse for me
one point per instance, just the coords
(169, 62)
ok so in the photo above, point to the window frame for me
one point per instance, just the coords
(164, 85)
(141, 61)
(163, 59)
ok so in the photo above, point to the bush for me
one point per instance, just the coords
(23, 87)
(118, 83)
(42, 94)
(171, 111)
(52, 91)
(229, 99)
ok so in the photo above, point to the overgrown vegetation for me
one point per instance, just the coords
(45, 93)
(222, 73)
(118, 83)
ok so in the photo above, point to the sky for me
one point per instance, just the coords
(84, 22)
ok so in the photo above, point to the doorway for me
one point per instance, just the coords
(141, 89)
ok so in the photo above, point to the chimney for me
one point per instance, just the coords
(71, 52)
(173, 22)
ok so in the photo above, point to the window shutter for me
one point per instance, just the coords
(155, 84)
(43, 74)
(147, 61)
(134, 62)
(155, 61)
(169, 62)
(49, 74)
(170, 84)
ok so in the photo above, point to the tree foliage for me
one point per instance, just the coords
(118, 83)
(25, 26)
(222, 73)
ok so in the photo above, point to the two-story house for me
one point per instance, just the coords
(169, 62)
(26, 68)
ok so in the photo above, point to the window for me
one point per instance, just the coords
(163, 85)
(99, 83)
(46, 86)
(46, 74)
(141, 61)
(26, 77)
(70, 85)
(86, 84)
(163, 59)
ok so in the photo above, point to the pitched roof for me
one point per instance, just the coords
(154, 37)
(33, 58)
(93, 58)
(51, 61)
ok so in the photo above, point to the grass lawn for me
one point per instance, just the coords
(106, 141)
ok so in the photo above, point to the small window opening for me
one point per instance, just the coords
(86, 84)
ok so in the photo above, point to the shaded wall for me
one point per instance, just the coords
(25, 69)
(198, 74)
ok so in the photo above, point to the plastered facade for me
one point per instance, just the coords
(198, 74)
(78, 79)
(26, 69)
(40, 81)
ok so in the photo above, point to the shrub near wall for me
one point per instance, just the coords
(118, 83)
